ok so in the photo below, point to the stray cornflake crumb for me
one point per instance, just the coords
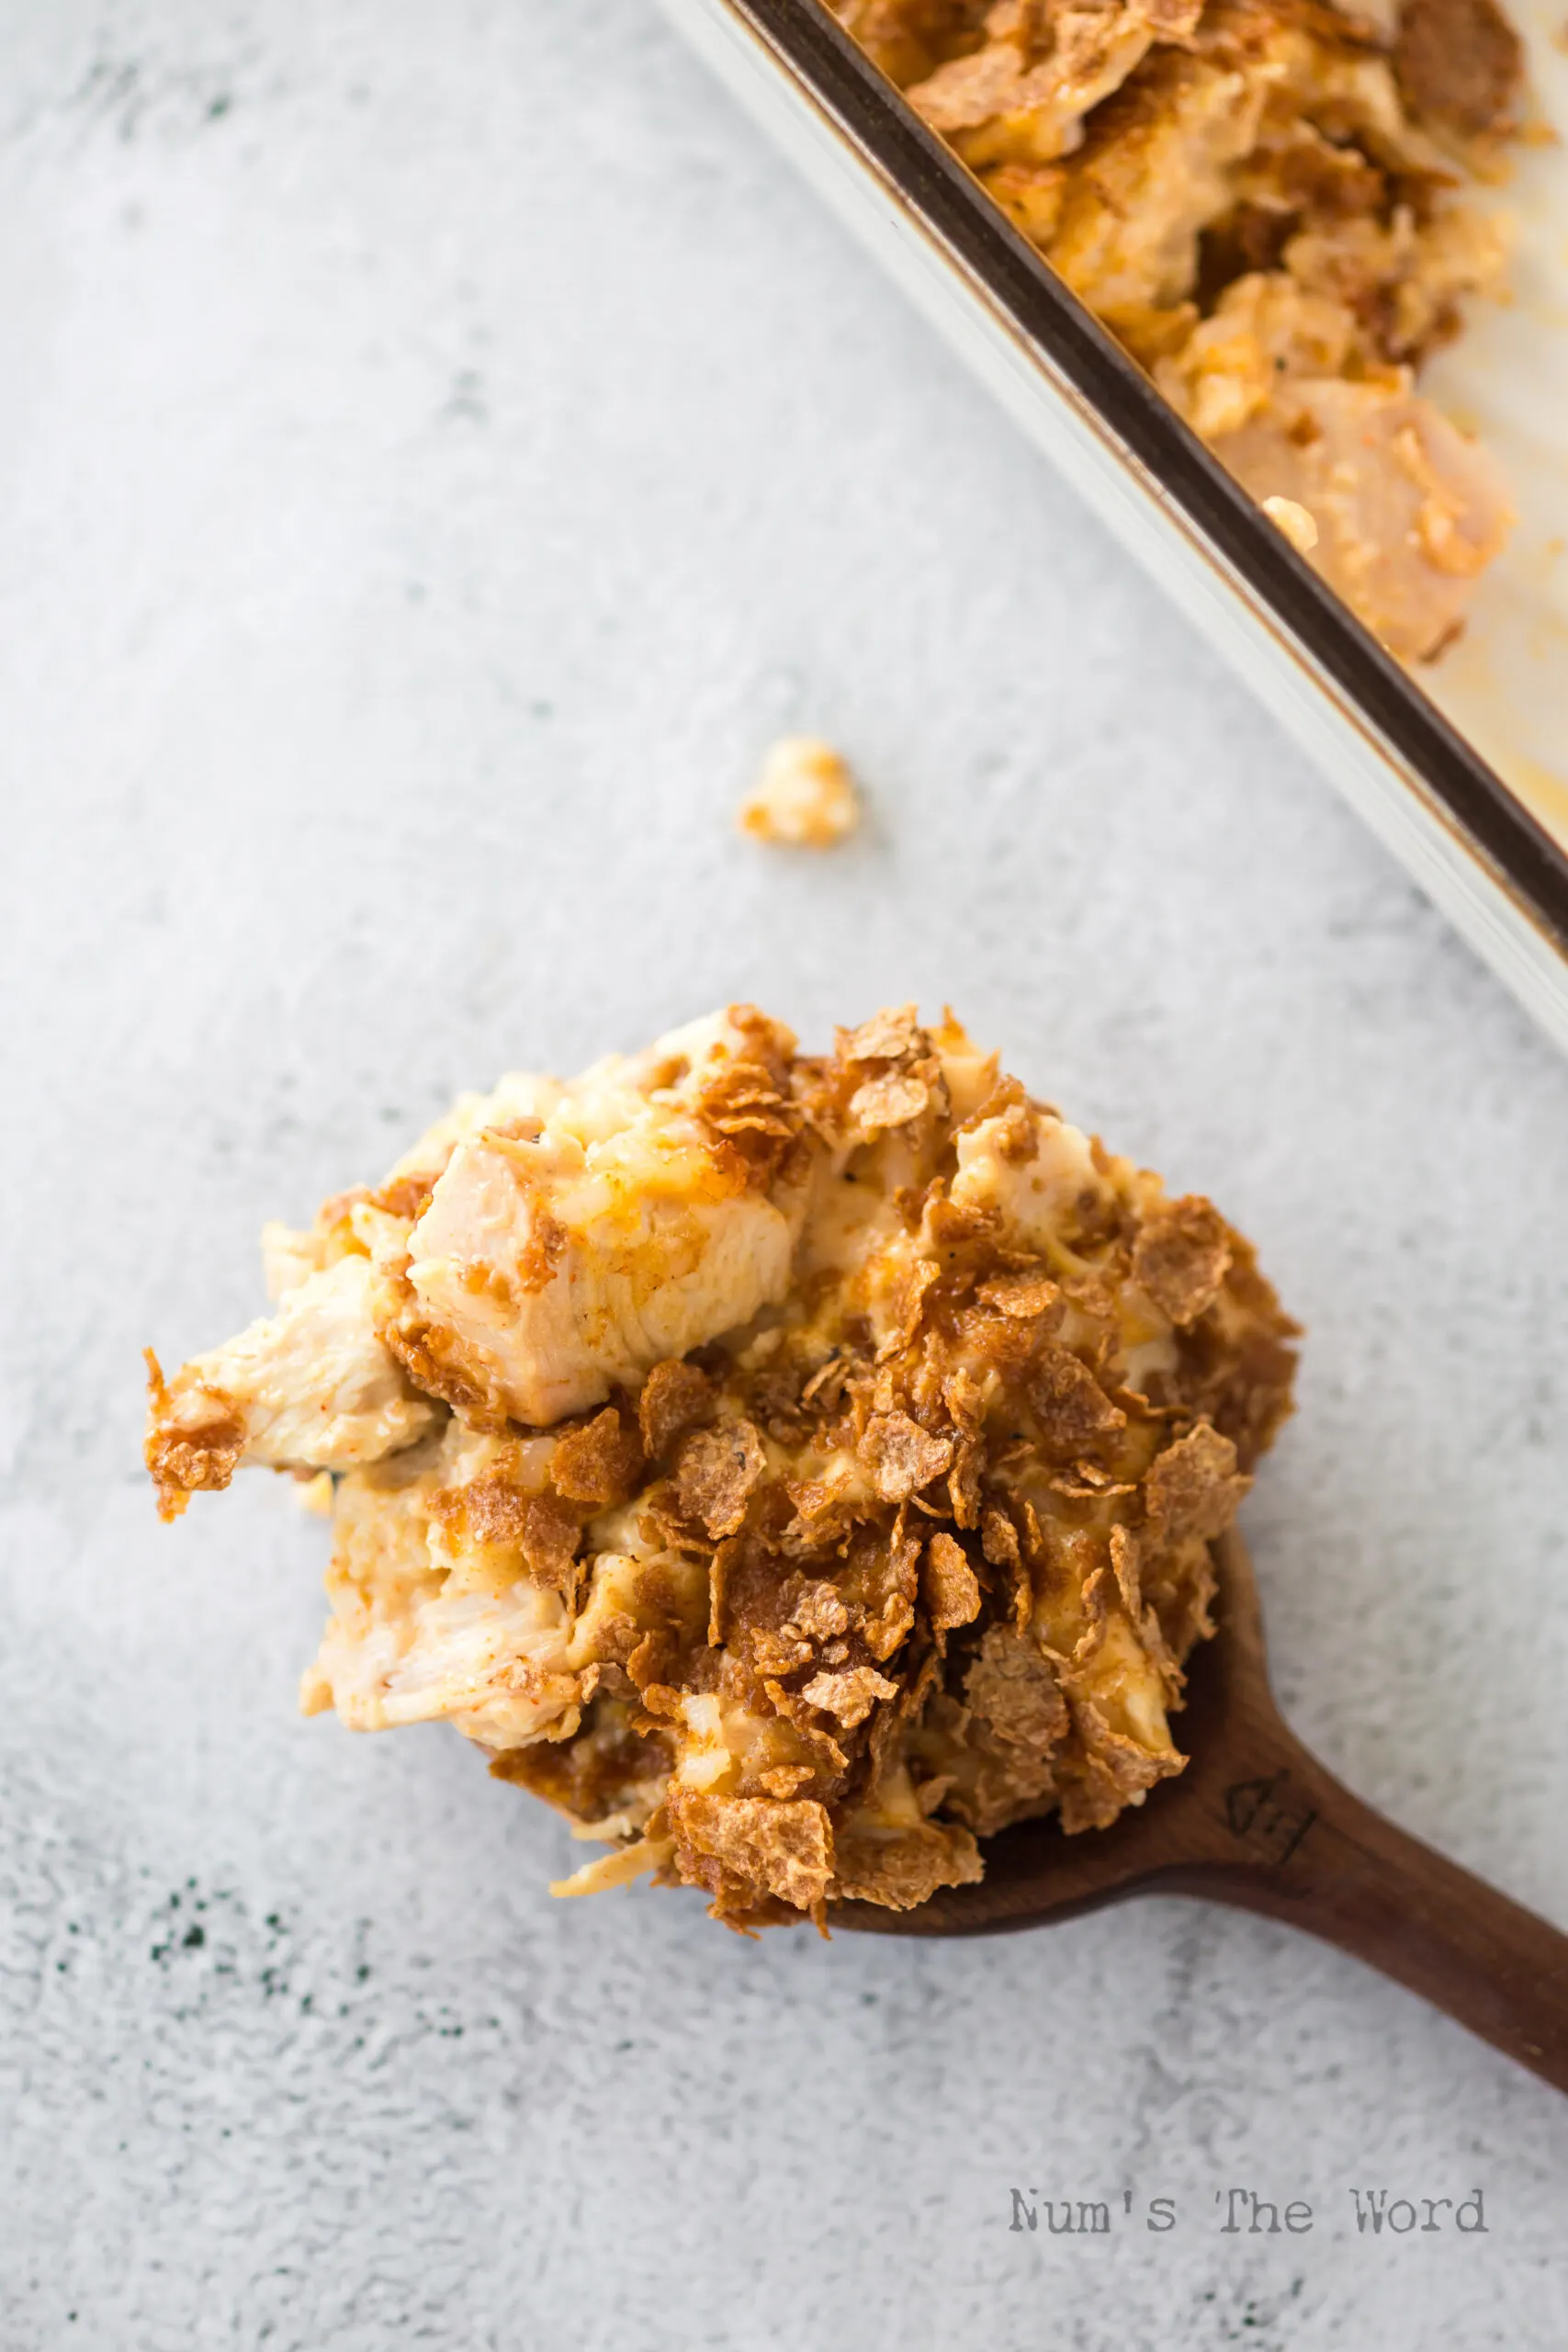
(834, 1490)
(806, 797)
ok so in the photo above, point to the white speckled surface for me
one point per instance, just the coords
(438, 449)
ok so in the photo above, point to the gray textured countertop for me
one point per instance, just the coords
(438, 449)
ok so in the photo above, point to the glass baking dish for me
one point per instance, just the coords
(1460, 769)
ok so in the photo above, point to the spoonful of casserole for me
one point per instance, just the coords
(798, 1470)
(794, 1468)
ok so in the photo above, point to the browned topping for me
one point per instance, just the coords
(718, 1471)
(819, 1614)
(964, 1481)
(550, 1537)
(1110, 1770)
(746, 1106)
(650, 1663)
(491, 1512)
(851, 1694)
(888, 1037)
(198, 1454)
(729, 1844)
(1071, 1407)
(901, 1456)
(725, 1559)
(675, 1396)
(1193, 1488)
(909, 39)
(949, 1587)
(886, 1072)
(1124, 1568)
(408, 1198)
(598, 1773)
(1181, 1256)
(1018, 1139)
(1015, 1694)
(1461, 65)
(904, 1870)
(950, 1225)
(999, 1537)
(889, 1101)
(437, 1364)
(488, 1510)
(1023, 1297)
(774, 1655)
(1094, 1602)
(602, 1463)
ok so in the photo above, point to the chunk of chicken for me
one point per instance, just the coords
(549, 1269)
(409, 1641)
(310, 1388)
(442, 1610)
(540, 1245)
(1408, 510)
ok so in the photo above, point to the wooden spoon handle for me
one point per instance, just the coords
(1295, 1845)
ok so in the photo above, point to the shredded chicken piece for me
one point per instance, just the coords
(806, 1563)
(636, 1222)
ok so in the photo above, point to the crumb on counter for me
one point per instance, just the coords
(804, 798)
(792, 1467)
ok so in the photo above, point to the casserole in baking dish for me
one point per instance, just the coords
(1461, 764)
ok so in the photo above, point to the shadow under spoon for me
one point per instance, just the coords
(1257, 1822)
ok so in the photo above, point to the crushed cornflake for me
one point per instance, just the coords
(901, 1456)
(950, 1588)
(806, 797)
(882, 1424)
(717, 1473)
(1182, 1257)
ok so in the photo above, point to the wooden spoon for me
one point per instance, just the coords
(1256, 1821)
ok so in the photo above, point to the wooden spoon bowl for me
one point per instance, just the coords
(1255, 1820)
